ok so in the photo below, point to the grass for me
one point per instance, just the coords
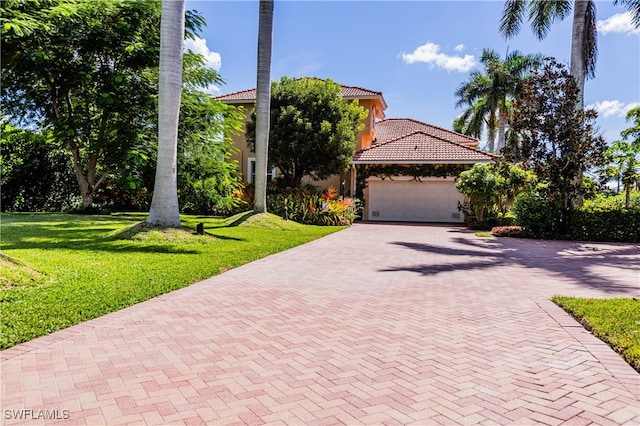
(484, 234)
(615, 321)
(59, 270)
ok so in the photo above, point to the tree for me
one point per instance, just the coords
(165, 210)
(83, 70)
(263, 102)
(481, 185)
(555, 139)
(313, 129)
(625, 154)
(515, 179)
(206, 179)
(543, 13)
(35, 173)
(487, 95)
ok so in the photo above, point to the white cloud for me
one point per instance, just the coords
(613, 108)
(619, 23)
(199, 45)
(430, 54)
(459, 48)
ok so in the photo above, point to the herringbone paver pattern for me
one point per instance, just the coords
(377, 324)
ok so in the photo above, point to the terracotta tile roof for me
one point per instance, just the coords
(349, 92)
(393, 128)
(248, 95)
(421, 148)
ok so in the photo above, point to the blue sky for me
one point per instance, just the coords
(415, 52)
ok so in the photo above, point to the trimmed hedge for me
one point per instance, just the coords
(616, 225)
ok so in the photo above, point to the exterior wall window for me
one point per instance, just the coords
(251, 170)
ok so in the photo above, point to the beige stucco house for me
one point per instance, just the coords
(403, 169)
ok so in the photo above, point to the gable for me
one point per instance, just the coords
(393, 128)
(421, 148)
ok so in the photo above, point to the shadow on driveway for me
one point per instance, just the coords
(580, 262)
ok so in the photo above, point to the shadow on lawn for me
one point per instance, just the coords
(59, 236)
(574, 260)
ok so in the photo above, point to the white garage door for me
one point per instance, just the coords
(401, 200)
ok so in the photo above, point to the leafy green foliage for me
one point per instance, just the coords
(615, 321)
(540, 214)
(36, 175)
(99, 264)
(605, 225)
(207, 179)
(603, 201)
(625, 156)
(85, 72)
(312, 131)
(555, 139)
(492, 188)
(89, 72)
(607, 218)
(324, 209)
(480, 185)
(488, 94)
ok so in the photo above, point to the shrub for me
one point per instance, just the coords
(303, 206)
(35, 174)
(605, 224)
(508, 231)
(539, 214)
(608, 201)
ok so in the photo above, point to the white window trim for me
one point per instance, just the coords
(252, 160)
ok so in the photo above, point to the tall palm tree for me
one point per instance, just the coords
(263, 104)
(543, 13)
(489, 92)
(479, 117)
(164, 209)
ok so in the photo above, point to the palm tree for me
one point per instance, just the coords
(543, 13)
(263, 104)
(489, 93)
(477, 119)
(164, 209)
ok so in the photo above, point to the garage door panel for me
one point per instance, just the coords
(428, 201)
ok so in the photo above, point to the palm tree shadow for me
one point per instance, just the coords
(239, 220)
(577, 261)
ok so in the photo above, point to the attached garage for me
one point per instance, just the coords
(429, 152)
(401, 199)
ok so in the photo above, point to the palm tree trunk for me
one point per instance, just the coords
(578, 67)
(164, 204)
(491, 126)
(502, 128)
(263, 104)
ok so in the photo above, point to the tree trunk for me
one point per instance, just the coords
(164, 204)
(578, 67)
(502, 128)
(86, 186)
(627, 195)
(263, 104)
(491, 126)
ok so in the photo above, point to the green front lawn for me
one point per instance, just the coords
(59, 270)
(616, 321)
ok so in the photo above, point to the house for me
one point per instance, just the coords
(403, 169)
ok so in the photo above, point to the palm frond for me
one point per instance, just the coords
(632, 6)
(512, 15)
(544, 13)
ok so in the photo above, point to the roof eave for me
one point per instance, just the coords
(238, 101)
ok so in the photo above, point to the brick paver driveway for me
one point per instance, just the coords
(375, 324)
